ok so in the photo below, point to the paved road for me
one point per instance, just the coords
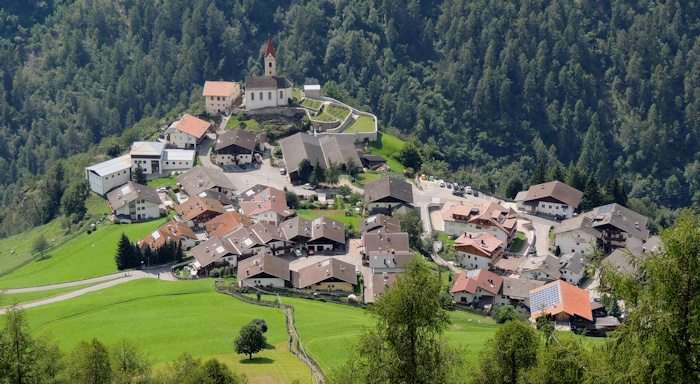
(542, 226)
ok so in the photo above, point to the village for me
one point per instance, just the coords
(230, 210)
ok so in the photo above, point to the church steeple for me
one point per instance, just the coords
(270, 59)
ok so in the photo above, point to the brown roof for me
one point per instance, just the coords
(470, 281)
(267, 233)
(202, 178)
(131, 191)
(192, 126)
(269, 199)
(226, 223)
(560, 297)
(238, 137)
(511, 264)
(297, 227)
(388, 223)
(484, 241)
(555, 190)
(620, 217)
(386, 242)
(322, 149)
(388, 187)
(264, 264)
(269, 49)
(326, 228)
(329, 268)
(581, 222)
(172, 230)
(382, 282)
(195, 206)
(223, 199)
(397, 260)
(218, 88)
(504, 218)
(517, 288)
(212, 250)
(621, 258)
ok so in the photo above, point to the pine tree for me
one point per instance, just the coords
(556, 174)
(125, 253)
(592, 196)
(318, 175)
(538, 176)
(138, 176)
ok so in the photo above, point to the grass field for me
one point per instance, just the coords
(7, 299)
(236, 121)
(517, 242)
(388, 146)
(364, 124)
(311, 104)
(296, 95)
(83, 257)
(169, 318)
(338, 113)
(324, 117)
(163, 181)
(335, 214)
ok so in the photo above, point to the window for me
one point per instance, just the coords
(269, 64)
(252, 96)
(281, 95)
(269, 95)
(261, 97)
(218, 98)
(181, 163)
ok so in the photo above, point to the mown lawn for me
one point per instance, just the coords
(163, 181)
(517, 242)
(169, 318)
(6, 300)
(236, 121)
(83, 257)
(296, 95)
(388, 146)
(335, 214)
(364, 124)
(363, 178)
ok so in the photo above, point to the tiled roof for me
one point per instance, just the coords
(192, 126)
(303, 146)
(555, 190)
(195, 206)
(581, 222)
(326, 228)
(388, 187)
(470, 281)
(390, 260)
(381, 241)
(620, 217)
(504, 218)
(212, 250)
(269, 199)
(386, 223)
(548, 265)
(484, 241)
(266, 82)
(574, 262)
(130, 192)
(519, 289)
(172, 230)
(560, 297)
(238, 137)
(227, 222)
(297, 227)
(202, 178)
(326, 269)
(382, 282)
(218, 88)
(621, 257)
(263, 264)
(269, 49)
(147, 148)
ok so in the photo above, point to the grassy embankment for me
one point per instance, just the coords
(335, 214)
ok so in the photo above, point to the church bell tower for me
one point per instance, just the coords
(270, 60)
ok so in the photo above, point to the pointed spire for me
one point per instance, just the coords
(270, 49)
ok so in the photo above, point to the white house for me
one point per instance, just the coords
(187, 132)
(147, 155)
(312, 90)
(269, 90)
(135, 201)
(220, 95)
(178, 159)
(516, 292)
(572, 267)
(576, 235)
(109, 174)
(544, 268)
(263, 271)
(554, 198)
(461, 217)
(479, 250)
(477, 287)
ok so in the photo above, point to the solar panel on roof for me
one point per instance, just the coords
(605, 209)
(545, 298)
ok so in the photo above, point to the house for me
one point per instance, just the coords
(246, 243)
(172, 230)
(105, 176)
(561, 300)
(214, 253)
(477, 287)
(544, 268)
(372, 161)
(236, 147)
(382, 222)
(326, 275)
(620, 258)
(516, 292)
(272, 237)
(220, 95)
(388, 194)
(297, 230)
(324, 150)
(381, 282)
(460, 217)
(187, 132)
(226, 223)
(269, 206)
(135, 202)
(553, 198)
(198, 210)
(269, 90)
(390, 263)
(611, 226)
(577, 235)
(148, 155)
(312, 90)
(479, 250)
(200, 179)
(572, 267)
(385, 242)
(178, 159)
(326, 235)
(221, 197)
(263, 271)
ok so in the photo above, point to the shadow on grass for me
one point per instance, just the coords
(45, 257)
(269, 346)
(257, 360)
(377, 144)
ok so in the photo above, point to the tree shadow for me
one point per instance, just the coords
(42, 258)
(269, 346)
(257, 360)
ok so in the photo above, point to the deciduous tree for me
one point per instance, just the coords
(250, 340)
(304, 171)
(504, 357)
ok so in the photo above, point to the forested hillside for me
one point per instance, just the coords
(485, 88)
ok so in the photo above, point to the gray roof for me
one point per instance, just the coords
(266, 82)
(326, 269)
(388, 187)
(249, 194)
(108, 167)
(211, 250)
(547, 264)
(574, 262)
(398, 260)
(130, 192)
(622, 218)
(520, 196)
(200, 178)
(518, 288)
(386, 242)
(147, 148)
(302, 146)
(237, 137)
(621, 258)
(581, 222)
(388, 223)
(179, 154)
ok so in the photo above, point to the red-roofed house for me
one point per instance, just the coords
(479, 250)
(187, 132)
(172, 230)
(220, 95)
(477, 287)
(461, 217)
(560, 300)
(268, 206)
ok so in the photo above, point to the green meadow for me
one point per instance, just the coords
(82, 257)
(388, 146)
(169, 318)
(6, 299)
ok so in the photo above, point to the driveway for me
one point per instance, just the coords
(542, 227)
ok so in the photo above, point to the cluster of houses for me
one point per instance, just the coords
(542, 284)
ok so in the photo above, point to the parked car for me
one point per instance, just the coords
(283, 171)
(242, 166)
(442, 183)
(457, 192)
(297, 253)
(310, 252)
(258, 158)
(449, 185)
(455, 185)
(468, 190)
(309, 186)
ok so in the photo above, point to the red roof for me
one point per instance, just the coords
(192, 126)
(478, 278)
(270, 49)
(561, 297)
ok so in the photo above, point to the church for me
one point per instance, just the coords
(268, 90)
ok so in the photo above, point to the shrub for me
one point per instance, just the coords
(261, 323)
(216, 272)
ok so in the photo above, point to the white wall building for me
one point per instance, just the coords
(109, 174)
(269, 90)
(136, 201)
(220, 95)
